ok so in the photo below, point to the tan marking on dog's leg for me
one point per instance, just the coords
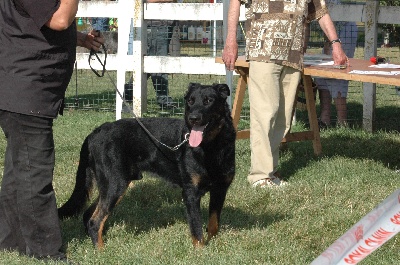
(131, 185)
(120, 198)
(100, 242)
(93, 219)
(195, 179)
(197, 243)
(213, 225)
(95, 213)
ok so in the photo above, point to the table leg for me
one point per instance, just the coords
(312, 114)
(238, 101)
(313, 134)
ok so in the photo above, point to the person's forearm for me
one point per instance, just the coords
(233, 20)
(328, 27)
(230, 52)
(64, 16)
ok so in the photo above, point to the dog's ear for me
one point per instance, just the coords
(193, 85)
(190, 88)
(223, 89)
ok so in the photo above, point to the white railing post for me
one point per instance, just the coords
(369, 89)
(139, 47)
(126, 8)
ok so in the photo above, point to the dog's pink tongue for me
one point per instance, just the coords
(196, 135)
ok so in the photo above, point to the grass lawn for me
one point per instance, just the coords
(292, 225)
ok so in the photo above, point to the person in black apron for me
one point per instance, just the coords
(38, 42)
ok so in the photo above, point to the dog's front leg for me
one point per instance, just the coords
(217, 199)
(191, 198)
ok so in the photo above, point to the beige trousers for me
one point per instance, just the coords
(272, 92)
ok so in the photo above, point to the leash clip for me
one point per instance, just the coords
(184, 141)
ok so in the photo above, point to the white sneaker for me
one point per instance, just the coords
(269, 182)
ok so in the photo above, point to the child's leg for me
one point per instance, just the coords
(341, 109)
(325, 102)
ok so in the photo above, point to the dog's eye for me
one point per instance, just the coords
(191, 101)
(208, 101)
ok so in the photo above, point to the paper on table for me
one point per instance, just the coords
(385, 65)
(318, 62)
(329, 64)
(374, 72)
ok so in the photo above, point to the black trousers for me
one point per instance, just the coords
(28, 212)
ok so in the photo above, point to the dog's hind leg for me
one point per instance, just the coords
(88, 214)
(108, 199)
(95, 225)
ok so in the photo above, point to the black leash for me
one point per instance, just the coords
(101, 74)
(76, 103)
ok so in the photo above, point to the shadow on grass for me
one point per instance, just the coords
(388, 118)
(386, 151)
(155, 204)
(352, 143)
(374, 147)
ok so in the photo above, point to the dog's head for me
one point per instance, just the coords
(205, 109)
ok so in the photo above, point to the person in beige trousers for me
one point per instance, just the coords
(275, 33)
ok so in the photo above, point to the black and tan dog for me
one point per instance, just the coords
(116, 153)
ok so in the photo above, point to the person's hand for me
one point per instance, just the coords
(92, 40)
(230, 54)
(338, 55)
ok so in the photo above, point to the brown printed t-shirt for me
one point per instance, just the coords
(275, 29)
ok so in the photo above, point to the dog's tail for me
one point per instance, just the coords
(83, 185)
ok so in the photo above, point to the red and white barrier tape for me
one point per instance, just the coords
(372, 231)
